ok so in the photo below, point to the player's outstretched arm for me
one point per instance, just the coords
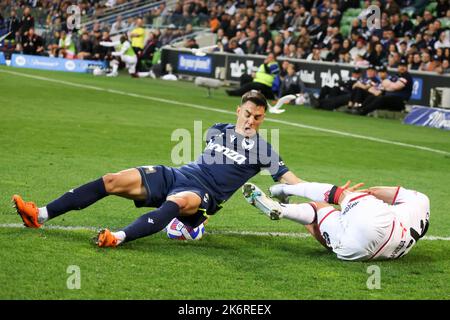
(386, 194)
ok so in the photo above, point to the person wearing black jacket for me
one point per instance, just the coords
(33, 44)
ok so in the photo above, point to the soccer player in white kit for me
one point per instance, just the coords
(125, 52)
(375, 223)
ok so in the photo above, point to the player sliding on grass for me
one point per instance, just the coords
(376, 223)
(234, 154)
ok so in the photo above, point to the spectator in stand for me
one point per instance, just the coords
(444, 41)
(315, 55)
(261, 46)
(191, 43)
(333, 54)
(426, 64)
(391, 7)
(13, 27)
(444, 68)
(233, 47)
(265, 33)
(100, 52)
(33, 44)
(85, 47)
(27, 22)
(405, 25)
(118, 26)
(393, 59)
(359, 49)
(442, 7)
(416, 62)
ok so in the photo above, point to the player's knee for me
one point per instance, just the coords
(111, 182)
(180, 201)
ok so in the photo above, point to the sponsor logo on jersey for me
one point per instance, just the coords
(227, 152)
(397, 250)
(350, 206)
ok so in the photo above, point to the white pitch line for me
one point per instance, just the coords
(206, 108)
(219, 232)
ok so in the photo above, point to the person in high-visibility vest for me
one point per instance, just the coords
(66, 46)
(137, 37)
(125, 52)
(263, 79)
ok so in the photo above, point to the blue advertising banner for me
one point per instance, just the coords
(2, 59)
(192, 63)
(429, 117)
(416, 93)
(55, 64)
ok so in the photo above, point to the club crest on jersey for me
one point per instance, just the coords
(248, 144)
(206, 198)
(149, 169)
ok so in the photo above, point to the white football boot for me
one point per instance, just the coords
(257, 198)
(277, 191)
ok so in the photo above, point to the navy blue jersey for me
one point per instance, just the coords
(229, 160)
(406, 92)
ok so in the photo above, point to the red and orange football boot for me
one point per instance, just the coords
(28, 211)
(105, 238)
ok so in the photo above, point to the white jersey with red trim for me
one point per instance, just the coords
(368, 228)
(411, 210)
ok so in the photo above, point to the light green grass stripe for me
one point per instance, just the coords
(219, 232)
(206, 108)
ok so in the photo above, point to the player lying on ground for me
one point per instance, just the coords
(375, 223)
(234, 154)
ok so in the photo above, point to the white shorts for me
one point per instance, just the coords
(369, 229)
(130, 62)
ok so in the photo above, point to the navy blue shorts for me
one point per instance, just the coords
(161, 182)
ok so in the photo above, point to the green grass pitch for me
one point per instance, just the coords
(55, 136)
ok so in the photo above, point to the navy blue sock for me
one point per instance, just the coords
(78, 198)
(152, 222)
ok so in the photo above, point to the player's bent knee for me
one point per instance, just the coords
(188, 204)
(108, 180)
(181, 202)
(112, 183)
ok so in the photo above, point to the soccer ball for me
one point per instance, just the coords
(179, 231)
(98, 71)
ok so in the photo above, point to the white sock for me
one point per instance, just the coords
(43, 215)
(115, 66)
(303, 213)
(311, 190)
(120, 236)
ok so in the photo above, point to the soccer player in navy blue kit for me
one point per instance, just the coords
(233, 155)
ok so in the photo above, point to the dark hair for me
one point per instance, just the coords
(256, 97)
